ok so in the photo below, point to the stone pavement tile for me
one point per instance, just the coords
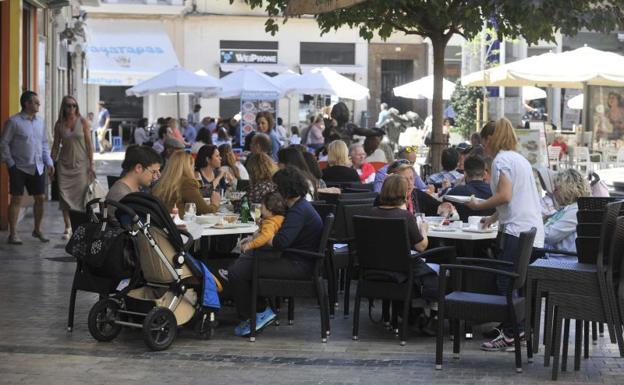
(35, 280)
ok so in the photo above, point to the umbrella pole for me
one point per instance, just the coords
(178, 101)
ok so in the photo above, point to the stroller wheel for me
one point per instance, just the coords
(102, 317)
(159, 328)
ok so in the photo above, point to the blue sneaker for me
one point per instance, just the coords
(243, 329)
(264, 319)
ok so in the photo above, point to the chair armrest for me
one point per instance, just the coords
(445, 254)
(556, 251)
(484, 261)
(445, 267)
(341, 240)
(305, 253)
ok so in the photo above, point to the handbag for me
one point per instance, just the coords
(95, 191)
(105, 249)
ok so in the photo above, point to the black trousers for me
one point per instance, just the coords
(270, 265)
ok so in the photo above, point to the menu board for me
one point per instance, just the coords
(532, 144)
(251, 104)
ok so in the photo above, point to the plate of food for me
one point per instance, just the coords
(461, 198)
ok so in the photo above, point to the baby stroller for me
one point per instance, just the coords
(169, 288)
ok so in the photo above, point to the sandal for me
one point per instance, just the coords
(41, 237)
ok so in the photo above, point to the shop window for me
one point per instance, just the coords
(327, 53)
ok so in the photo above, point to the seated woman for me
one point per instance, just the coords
(339, 170)
(560, 228)
(291, 156)
(393, 200)
(208, 170)
(261, 169)
(407, 171)
(177, 186)
(203, 138)
(230, 164)
(301, 229)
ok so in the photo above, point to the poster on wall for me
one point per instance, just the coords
(606, 112)
(532, 144)
(251, 105)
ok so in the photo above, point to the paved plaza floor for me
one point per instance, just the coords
(35, 348)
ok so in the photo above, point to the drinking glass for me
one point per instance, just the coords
(190, 209)
(255, 211)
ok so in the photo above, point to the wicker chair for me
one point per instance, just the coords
(390, 277)
(461, 305)
(585, 308)
(586, 278)
(285, 287)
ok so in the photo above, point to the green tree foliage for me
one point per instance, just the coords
(438, 20)
(464, 102)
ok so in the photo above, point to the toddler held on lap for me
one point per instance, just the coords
(273, 208)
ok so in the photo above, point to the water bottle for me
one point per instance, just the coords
(244, 211)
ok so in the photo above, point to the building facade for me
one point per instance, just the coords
(217, 38)
(38, 46)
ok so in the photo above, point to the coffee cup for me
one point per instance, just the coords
(474, 222)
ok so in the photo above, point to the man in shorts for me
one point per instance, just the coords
(24, 148)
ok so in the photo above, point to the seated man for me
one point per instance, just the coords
(474, 172)
(449, 176)
(140, 168)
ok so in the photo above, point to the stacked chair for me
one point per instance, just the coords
(582, 290)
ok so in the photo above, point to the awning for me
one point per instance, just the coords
(341, 69)
(126, 52)
(260, 67)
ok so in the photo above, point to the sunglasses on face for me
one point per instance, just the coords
(71, 105)
(411, 149)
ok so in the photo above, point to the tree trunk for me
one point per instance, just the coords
(438, 140)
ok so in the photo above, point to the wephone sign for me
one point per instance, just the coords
(232, 56)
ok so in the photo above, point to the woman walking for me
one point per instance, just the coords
(73, 153)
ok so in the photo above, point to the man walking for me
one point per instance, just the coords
(193, 117)
(24, 148)
(103, 122)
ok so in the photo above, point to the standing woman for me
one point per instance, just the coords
(73, 153)
(516, 201)
(266, 125)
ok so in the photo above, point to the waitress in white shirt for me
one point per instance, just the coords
(516, 201)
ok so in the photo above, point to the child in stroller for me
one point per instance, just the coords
(169, 288)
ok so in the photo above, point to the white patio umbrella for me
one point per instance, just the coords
(247, 81)
(532, 93)
(570, 69)
(576, 103)
(423, 89)
(285, 77)
(176, 80)
(325, 81)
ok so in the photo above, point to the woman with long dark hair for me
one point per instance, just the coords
(73, 153)
(290, 156)
(208, 170)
